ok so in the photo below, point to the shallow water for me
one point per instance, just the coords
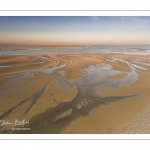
(122, 49)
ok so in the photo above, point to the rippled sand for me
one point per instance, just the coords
(75, 93)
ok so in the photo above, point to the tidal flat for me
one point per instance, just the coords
(76, 93)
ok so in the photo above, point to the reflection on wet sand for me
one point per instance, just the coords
(56, 91)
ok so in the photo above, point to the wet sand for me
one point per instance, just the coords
(139, 49)
(76, 93)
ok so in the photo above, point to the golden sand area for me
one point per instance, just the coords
(76, 93)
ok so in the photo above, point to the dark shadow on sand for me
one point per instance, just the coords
(46, 123)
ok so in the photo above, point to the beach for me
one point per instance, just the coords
(84, 93)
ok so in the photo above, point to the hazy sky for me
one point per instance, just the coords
(75, 30)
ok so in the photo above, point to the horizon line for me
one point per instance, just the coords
(6, 44)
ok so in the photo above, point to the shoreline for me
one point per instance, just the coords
(40, 47)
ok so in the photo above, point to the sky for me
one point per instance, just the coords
(75, 30)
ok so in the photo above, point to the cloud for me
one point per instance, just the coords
(34, 23)
(119, 17)
(130, 18)
(95, 17)
(139, 20)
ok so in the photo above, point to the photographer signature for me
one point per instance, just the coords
(15, 123)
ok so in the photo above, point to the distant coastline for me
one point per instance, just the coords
(44, 47)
